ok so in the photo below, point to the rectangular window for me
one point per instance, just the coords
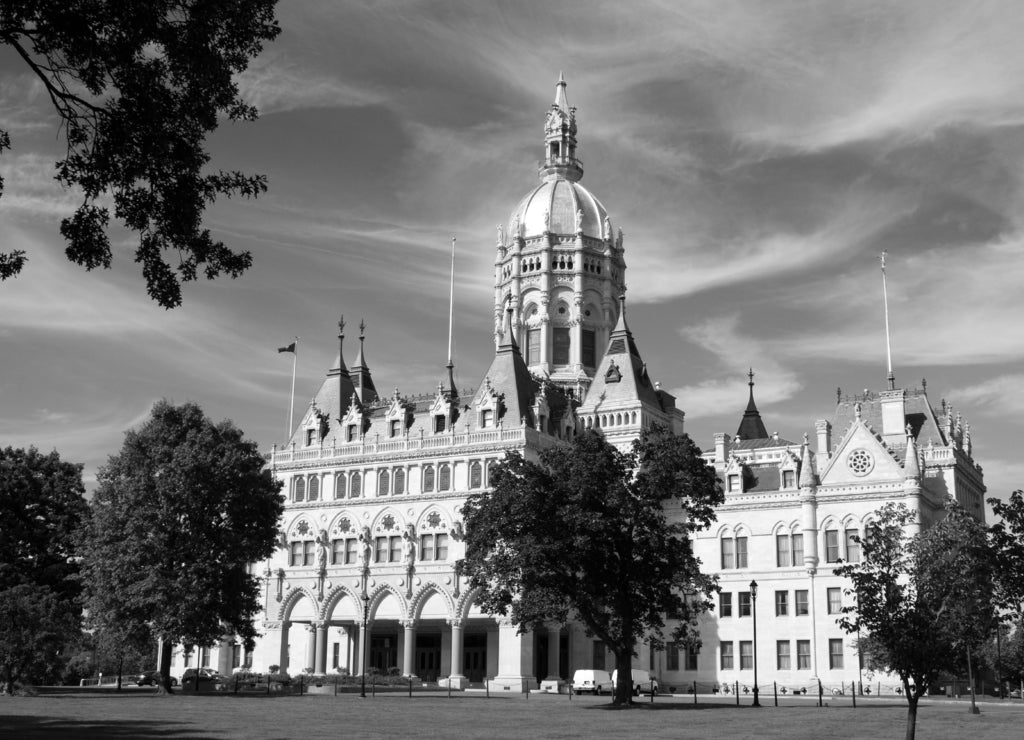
(337, 552)
(781, 603)
(746, 655)
(744, 604)
(734, 483)
(560, 345)
(598, 657)
(671, 656)
(296, 558)
(725, 604)
(236, 655)
(800, 602)
(831, 546)
(835, 600)
(396, 427)
(728, 553)
(691, 658)
(442, 547)
(803, 655)
(350, 550)
(310, 437)
(308, 552)
(532, 346)
(427, 547)
(381, 550)
(486, 418)
(396, 549)
(782, 557)
(782, 655)
(726, 656)
(335, 655)
(438, 423)
(204, 657)
(788, 478)
(588, 348)
(852, 546)
(798, 549)
(835, 654)
(741, 552)
(351, 434)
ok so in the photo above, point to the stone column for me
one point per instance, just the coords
(364, 647)
(408, 648)
(321, 648)
(455, 677)
(515, 659)
(283, 656)
(554, 639)
(310, 646)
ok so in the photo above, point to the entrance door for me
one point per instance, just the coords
(428, 656)
(474, 656)
(383, 652)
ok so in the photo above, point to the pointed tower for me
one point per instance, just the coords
(360, 373)
(338, 370)
(508, 388)
(809, 508)
(912, 482)
(751, 426)
(560, 263)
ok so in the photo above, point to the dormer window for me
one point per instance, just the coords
(351, 433)
(439, 423)
(310, 437)
(788, 478)
(487, 418)
(396, 427)
(734, 483)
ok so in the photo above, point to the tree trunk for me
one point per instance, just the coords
(970, 678)
(624, 678)
(120, 670)
(911, 712)
(164, 687)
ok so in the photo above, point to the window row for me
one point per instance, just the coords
(783, 655)
(800, 604)
(389, 482)
(840, 545)
(389, 549)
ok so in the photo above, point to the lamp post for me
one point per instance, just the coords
(753, 602)
(365, 644)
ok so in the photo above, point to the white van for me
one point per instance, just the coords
(596, 682)
(643, 682)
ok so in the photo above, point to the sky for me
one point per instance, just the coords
(758, 156)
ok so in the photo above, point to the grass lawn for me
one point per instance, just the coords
(136, 713)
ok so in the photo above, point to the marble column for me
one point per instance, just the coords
(515, 659)
(321, 648)
(310, 646)
(455, 678)
(364, 646)
(554, 638)
(408, 648)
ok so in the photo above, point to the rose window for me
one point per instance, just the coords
(860, 462)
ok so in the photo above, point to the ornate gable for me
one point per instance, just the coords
(859, 458)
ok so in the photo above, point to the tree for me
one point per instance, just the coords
(591, 532)
(42, 504)
(35, 625)
(1008, 540)
(925, 602)
(136, 88)
(179, 515)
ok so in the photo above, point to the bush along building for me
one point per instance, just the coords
(367, 574)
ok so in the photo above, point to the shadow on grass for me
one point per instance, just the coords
(30, 727)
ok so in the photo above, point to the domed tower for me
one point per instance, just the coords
(559, 264)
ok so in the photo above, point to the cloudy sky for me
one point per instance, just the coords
(758, 156)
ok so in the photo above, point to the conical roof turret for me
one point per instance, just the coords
(751, 426)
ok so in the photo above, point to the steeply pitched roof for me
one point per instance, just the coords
(751, 426)
(510, 378)
(918, 414)
(621, 375)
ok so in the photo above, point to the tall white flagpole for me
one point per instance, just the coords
(888, 336)
(291, 406)
(451, 303)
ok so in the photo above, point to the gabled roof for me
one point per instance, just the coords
(751, 426)
(918, 414)
(621, 375)
(510, 378)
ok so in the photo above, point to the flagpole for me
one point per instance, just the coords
(888, 340)
(291, 406)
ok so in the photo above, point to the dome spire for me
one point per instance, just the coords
(751, 426)
(560, 139)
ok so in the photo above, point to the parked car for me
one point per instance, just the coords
(596, 682)
(643, 682)
(152, 678)
(209, 679)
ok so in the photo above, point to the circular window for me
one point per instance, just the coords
(860, 462)
(587, 312)
(561, 309)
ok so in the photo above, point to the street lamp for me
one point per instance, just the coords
(753, 601)
(365, 641)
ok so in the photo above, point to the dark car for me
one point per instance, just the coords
(152, 678)
(209, 679)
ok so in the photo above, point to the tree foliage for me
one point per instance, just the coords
(179, 515)
(35, 625)
(1008, 540)
(923, 601)
(137, 87)
(597, 534)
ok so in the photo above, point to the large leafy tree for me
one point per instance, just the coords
(137, 87)
(42, 505)
(595, 533)
(179, 515)
(1008, 539)
(925, 602)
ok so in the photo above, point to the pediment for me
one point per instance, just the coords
(860, 458)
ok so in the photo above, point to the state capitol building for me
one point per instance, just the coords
(375, 484)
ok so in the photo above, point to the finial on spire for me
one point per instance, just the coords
(750, 374)
(341, 326)
(362, 329)
(888, 337)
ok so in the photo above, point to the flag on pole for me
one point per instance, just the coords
(289, 348)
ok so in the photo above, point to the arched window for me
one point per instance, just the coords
(383, 483)
(444, 482)
(428, 479)
(476, 475)
(339, 486)
(300, 489)
(399, 481)
(314, 488)
(356, 485)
